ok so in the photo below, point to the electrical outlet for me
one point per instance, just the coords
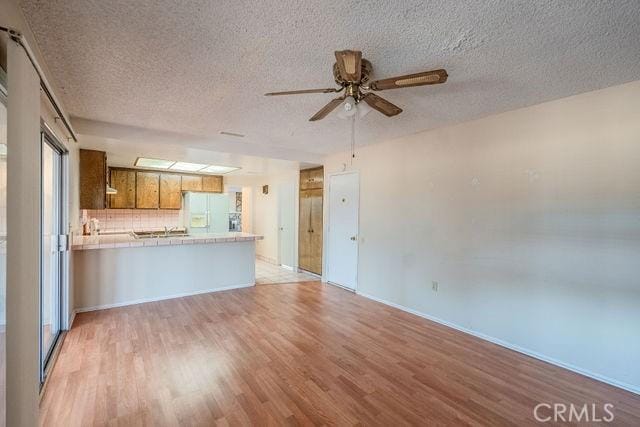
(434, 286)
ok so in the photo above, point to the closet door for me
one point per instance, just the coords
(304, 232)
(316, 231)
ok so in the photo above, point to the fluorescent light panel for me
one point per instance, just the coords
(219, 169)
(182, 166)
(187, 167)
(153, 163)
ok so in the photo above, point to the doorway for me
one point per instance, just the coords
(286, 224)
(344, 203)
(53, 248)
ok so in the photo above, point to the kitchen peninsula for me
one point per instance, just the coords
(120, 269)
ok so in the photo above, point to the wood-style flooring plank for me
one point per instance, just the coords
(297, 354)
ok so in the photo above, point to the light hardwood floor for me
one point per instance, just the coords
(297, 354)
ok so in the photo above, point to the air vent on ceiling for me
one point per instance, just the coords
(237, 135)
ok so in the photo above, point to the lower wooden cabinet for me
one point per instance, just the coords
(124, 181)
(170, 191)
(147, 190)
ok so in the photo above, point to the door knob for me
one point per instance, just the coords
(353, 238)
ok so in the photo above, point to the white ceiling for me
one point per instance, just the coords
(201, 67)
(126, 144)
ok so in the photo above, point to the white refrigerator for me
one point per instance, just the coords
(206, 213)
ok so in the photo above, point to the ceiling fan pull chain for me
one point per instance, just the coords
(353, 137)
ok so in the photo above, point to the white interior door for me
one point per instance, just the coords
(286, 224)
(344, 202)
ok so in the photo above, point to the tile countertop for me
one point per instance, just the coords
(126, 240)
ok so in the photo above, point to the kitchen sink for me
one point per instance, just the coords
(159, 234)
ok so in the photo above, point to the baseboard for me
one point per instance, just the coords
(71, 319)
(267, 259)
(343, 288)
(144, 300)
(625, 386)
(310, 273)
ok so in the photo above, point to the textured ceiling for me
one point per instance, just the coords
(201, 67)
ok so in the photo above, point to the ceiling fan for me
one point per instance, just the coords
(351, 72)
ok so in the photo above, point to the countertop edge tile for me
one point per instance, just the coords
(116, 241)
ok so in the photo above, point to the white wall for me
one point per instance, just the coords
(23, 239)
(529, 220)
(263, 209)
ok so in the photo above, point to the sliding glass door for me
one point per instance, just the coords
(53, 247)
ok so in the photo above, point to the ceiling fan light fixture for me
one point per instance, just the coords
(351, 72)
(349, 107)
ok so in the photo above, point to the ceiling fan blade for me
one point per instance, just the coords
(327, 109)
(300, 92)
(381, 104)
(350, 65)
(419, 79)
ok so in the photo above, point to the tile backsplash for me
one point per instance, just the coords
(133, 219)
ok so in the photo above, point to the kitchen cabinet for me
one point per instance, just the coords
(212, 184)
(170, 191)
(191, 183)
(310, 222)
(93, 179)
(311, 178)
(147, 190)
(124, 181)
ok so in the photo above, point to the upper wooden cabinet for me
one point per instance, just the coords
(124, 181)
(311, 178)
(170, 191)
(191, 183)
(93, 179)
(212, 184)
(147, 190)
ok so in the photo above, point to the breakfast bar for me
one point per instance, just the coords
(156, 268)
